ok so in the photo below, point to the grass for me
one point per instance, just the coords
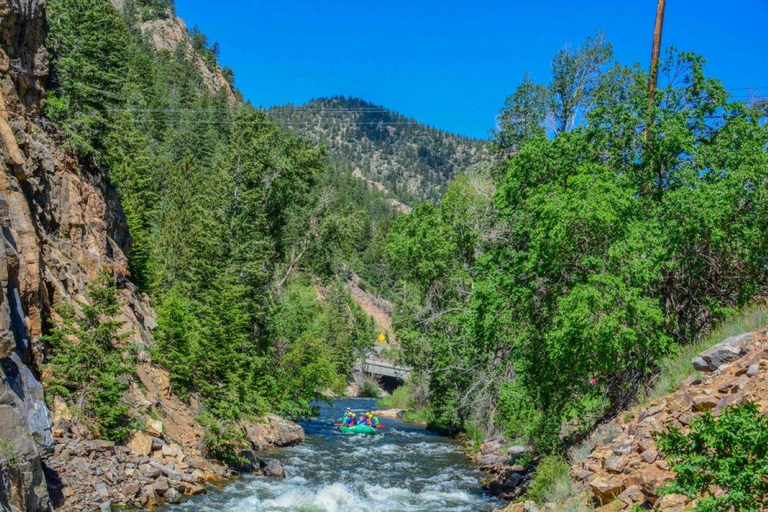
(416, 416)
(400, 398)
(675, 369)
(552, 483)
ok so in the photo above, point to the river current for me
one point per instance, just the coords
(405, 468)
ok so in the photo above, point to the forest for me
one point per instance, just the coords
(237, 226)
(614, 229)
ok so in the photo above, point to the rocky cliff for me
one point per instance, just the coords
(25, 433)
(62, 227)
(170, 33)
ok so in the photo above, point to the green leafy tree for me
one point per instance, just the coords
(575, 74)
(521, 118)
(722, 462)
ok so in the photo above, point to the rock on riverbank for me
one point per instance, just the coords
(625, 468)
(150, 468)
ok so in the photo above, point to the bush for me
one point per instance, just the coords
(552, 483)
(474, 435)
(401, 398)
(223, 441)
(369, 388)
(729, 453)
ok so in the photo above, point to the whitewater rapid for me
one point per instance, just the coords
(404, 469)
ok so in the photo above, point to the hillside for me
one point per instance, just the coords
(411, 160)
(623, 465)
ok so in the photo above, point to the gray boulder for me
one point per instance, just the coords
(725, 352)
(275, 468)
(172, 496)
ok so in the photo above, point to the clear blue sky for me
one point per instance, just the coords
(451, 63)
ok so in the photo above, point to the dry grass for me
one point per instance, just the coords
(674, 370)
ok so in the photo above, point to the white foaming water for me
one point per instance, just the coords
(403, 469)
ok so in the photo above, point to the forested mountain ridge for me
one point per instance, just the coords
(413, 161)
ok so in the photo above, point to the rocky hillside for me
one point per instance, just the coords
(408, 159)
(170, 33)
(629, 469)
(625, 467)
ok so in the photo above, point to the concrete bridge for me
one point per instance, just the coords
(383, 368)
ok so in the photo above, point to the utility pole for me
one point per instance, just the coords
(653, 81)
(654, 75)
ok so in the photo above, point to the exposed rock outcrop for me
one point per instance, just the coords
(62, 226)
(272, 431)
(25, 424)
(170, 33)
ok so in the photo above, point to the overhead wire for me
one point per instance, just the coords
(328, 113)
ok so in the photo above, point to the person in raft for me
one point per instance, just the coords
(349, 418)
(371, 419)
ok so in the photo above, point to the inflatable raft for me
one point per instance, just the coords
(358, 429)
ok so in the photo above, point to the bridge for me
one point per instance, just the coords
(383, 368)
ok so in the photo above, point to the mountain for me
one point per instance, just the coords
(410, 160)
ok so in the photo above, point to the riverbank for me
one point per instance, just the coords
(163, 461)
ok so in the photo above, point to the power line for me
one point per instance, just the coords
(747, 88)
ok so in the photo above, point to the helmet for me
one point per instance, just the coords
(369, 414)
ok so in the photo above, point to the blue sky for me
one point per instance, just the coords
(451, 63)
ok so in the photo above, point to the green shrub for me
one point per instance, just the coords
(369, 387)
(729, 453)
(474, 435)
(222, 440)
(401, 398)
(551, 482)
(416, 416)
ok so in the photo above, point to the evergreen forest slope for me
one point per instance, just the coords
(411, 160)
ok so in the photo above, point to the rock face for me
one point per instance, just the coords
(62, 226)
(25, 423)
(170, 33)
(627, 469)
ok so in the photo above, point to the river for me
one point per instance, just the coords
(406, 468)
